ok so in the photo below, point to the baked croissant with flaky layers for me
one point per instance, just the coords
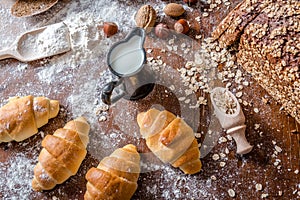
(170, 139)
(62, 154)
(115, 178)
(21, 117)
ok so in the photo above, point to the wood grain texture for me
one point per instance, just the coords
(240, 173)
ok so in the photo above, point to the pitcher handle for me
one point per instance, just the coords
(107, 96)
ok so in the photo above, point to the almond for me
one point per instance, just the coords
(174, 10)
(145, 17)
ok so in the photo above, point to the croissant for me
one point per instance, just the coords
(115, 178)
(170, 139)
(62, 155)
(21, 117)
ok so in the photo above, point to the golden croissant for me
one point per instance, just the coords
(62, 154)
(170, 139)
(21, 117)
(115, 178)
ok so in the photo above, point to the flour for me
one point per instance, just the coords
(18, 175)
(52, 40)
(16, 172)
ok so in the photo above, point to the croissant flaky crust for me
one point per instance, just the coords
(170, 139)
(115, 178)
(62, 155)
(21, 117)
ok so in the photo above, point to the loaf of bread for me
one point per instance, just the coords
(170, 139)
(62, 155)
(268, 35)
(21, 117)
(115, 178)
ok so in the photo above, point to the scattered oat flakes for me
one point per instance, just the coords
(229, 137)
(239, 94)
(245, 103)
(198, 135)
(256, 110)
(172, 87)
(222, 155)
(246, 83)
(213, 177)
(226, 150)
(187, 101)
(256, 126)
(205, 14)
(198, 37)
(216, 157)
(265, 101)
(264, 195)
(296, 171)
(181, 98)
(42, 134)
(222, 164)
(222, 140)
(258, 186)
(228, 85)
(102, 118)
(278, 149)
(202, 101)
(231, 193)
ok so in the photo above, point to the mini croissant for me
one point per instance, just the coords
(115, 178)
(62, 154)
(170, 139)
(21, 117)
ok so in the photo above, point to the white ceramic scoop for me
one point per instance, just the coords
(231, 117)
(39, 43)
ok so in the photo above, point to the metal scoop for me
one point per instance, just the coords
(39, 43)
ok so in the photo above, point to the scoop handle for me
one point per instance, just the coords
(238, 134)
(6, 53)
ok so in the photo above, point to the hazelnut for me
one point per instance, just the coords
(181, 26)
(190, 1)
(162, 31)
(110, 28)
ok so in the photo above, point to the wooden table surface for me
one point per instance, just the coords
(77, 88)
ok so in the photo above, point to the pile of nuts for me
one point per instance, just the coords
(146, 17)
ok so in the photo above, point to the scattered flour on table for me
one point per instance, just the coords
(17, 171)
(17, 174)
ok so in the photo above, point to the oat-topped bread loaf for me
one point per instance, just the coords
(268, 33)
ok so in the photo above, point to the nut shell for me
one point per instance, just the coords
(174, 10)
(145, 17)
